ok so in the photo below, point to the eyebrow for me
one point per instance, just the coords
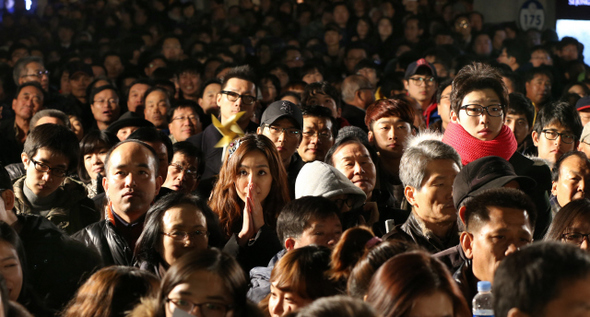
(127, 165)
(261, 165)
(471, 102)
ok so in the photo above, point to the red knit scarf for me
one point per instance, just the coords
(470, 148)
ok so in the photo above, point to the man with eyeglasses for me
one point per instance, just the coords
(282, 122)
(556, 131)
(571, 180)
(183, 171)
(238, 93)
(183, 121)
(318, 133)
(31, 68)
(421, 83)
(50, 154)
(358, 95)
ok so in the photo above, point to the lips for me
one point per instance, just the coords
(484, 132)
(98, 169)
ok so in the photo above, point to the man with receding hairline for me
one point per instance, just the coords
(131, 184)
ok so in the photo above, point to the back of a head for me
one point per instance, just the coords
(363, 271)
(304, 271)
(52, 113)
(536, 275)
(152, 135)
(341, 306)
(348, 251)
(112, 292)
(394, 289)
(298, 214)
(55, 138)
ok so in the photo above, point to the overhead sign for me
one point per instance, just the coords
(532, 15)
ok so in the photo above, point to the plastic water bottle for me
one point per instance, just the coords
(483, 302)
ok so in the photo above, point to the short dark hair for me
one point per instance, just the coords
(298, 214)
(541, 70)
(55, 138)
(97, 90)
(477, 209)
(189, 66)
(188, 149)
(207, 83)
(514, 48)
(557, 167)
(147, 245)
(562, 113)
(320, 112)
(519, 104)
(349, 139)
(151, 134)
(441, 87)
(93, 142)
(180, 104)
(477, 76)
(243, 72)
(27, 84)
(156, 88)
(532, 277)
(324, 88)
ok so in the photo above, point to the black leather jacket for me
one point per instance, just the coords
(111, 246)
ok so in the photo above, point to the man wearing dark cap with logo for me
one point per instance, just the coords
(421, 83)
(583, 108)
(127, 124)
(498, 219)
(282, 122)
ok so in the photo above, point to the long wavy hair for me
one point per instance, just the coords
(225, 201)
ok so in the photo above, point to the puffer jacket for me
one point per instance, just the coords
(72, 209)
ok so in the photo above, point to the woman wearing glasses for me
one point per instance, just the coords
(479, 100)
(209, 283)
(572, 224)
(177, 224)
(250, 192)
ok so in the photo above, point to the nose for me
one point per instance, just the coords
(511, 125)
(47, 176)
(391, 134)
(358, 169)
(130, 180)
(511, 249)
(282, 135)
(277, 310)
(584, 245)
(196, 311)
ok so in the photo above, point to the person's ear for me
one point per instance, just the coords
(105, 184)
(410, 192)
(461, 213)
(219, 95)
(290, 244)
(405, 84)
(466, 241)
(259, 130)
(454, 117)
(554, 189)
(159, 182)
(535, 137)
(371, 137)
(8, 198)
(25, 159)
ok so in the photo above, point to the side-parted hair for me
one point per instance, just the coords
(303, 271)
(575, 209)
(394, 287)
(559, 113)
(28, 84)
(320, 112)
(213, 261)
(541, 70)
(94, 142)
(243, 72)
(415, 159)
(536, 275)
(389, 108)
(477, 210)
(556, 171)
(298, 214)
(148, 244)
(477, 76)
(55, 138)
(112, 292)
(225, 201)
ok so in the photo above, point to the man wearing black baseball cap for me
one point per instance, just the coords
(282, 122)
(421, 82)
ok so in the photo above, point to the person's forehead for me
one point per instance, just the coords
(313, 120)
(556, 125)
(239, 85)
(30, 90)
(516, 116)
(284, 122)
(180, 157)
(171, 40)
(139, 87)
(183, 110)
(213, 86)
(45, 154)
(574, 163)
(34, 66)
(130, 150)
(541, 77)
(503, 216)
(351, 149)
(157, 95)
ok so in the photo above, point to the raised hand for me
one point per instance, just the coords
(253, 217)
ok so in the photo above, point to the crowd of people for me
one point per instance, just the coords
(281, 158)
